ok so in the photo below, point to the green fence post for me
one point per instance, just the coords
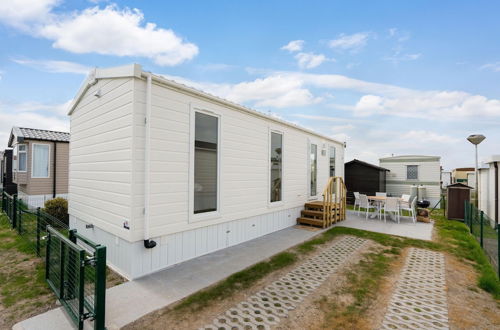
(47, 256)
(14, 211)
(72, 261)
(498, 249)
(61, 267)
(38, 231)
(81, 288)
(4, 209)
(100, 288)
(482, 217)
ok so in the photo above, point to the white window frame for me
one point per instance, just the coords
(192, 121)
(282, 201)
(33, 159)
(408, 179)
(17, 157)
(309, 143)
(330, 146)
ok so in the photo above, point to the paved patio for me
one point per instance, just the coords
(405, 228)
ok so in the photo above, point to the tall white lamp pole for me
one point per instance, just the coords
(475, 139)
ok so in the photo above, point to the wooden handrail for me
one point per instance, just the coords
(334, 200)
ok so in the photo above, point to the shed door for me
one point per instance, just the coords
(456, 200)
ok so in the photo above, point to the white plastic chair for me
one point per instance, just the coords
(381, 194)
(364, 203)
(391, 205)
(411, 209)
(356, 201)
(405, 200)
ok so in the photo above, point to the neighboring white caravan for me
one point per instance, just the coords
(161, 173)
(415, 171)
(488, 188)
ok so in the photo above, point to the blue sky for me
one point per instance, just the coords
(389, 77)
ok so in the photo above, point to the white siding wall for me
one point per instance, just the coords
(487, 191)
(100, 165)
(244, 174)
(427, 172)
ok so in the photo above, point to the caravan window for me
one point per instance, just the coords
(206, 149)
(412, 172)
(313, 163)
(276, 158)
(40, 161)
(21, 158)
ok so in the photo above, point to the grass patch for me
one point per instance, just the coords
(237, 281)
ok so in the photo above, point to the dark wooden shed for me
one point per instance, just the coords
(6, 172)
(364, 178)
(457, 193)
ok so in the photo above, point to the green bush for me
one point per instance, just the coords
(58, 208)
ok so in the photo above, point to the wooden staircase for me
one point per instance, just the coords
(328, 211)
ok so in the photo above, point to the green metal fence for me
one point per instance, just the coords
(486, 231)
(75, 267)
(77, 276)
(30, 223)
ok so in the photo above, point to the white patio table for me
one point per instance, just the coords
(380, 200)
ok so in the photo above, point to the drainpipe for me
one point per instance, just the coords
(496, 191)
(54, 180)
(148, 243)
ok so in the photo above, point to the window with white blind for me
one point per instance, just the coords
(276, 157)
(40, 161)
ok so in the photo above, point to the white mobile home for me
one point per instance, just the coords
(162, 173)
(409, 171)
(488, 188)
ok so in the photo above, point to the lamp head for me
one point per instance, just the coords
(476, 138)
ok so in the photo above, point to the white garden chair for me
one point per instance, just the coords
(405, 200)
(365, 203)
(381, 194)
(356, 201)
(391, 205)
(411, 209)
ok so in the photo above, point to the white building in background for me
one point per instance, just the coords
(446, 179)
(488, 188)
(418, 171)
(166, 173)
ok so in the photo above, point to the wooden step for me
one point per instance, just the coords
(314, 205)
(310, 221)
(311, 213)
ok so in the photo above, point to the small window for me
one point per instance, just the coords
(276, 166)
(40, 164)
(412, 172)
(313, 170)
(332, 161)
(205, 163)
(21, 158)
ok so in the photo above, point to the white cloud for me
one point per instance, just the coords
(107, 31)
(309, 60)
(352, 42)
(54, 66)
(121, 32)
(399, 35)
(21, 13)
(398, 57)
(294, 46)
(32, 114)
(495, 67)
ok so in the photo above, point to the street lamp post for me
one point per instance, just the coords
(475, 139)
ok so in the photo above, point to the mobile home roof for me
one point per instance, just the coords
(135, 70)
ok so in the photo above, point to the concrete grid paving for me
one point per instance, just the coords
(265, 308)
(419, 301)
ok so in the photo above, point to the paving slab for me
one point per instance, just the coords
(406, 227)
(419, 300)
(130, 301)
